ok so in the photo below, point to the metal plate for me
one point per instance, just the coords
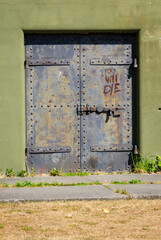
(112, 148)
(50, 150)
(47, 62)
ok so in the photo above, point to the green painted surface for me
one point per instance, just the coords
(16, 16)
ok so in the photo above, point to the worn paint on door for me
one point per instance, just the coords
(79, 101)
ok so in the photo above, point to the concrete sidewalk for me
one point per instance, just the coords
(107, 191)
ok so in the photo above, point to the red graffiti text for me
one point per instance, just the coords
(111, 78)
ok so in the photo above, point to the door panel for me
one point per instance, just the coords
(106, 129)
(53, 127)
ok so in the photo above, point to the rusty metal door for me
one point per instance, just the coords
(79, 101)
(106, 98)
(52, 95)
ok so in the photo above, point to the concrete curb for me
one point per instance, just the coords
(91, 178)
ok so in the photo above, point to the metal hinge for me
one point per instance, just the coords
(135, 64)
(135, 149)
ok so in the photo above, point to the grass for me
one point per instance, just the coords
(117, 190)
(81, 220)
(11, 173)
(44, 184)
(132, 181)
(1, 226)
(146, 164)
(123, 191)
(27, 229)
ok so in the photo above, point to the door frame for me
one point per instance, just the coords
(135, 99)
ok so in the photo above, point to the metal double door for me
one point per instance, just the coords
(79, 101)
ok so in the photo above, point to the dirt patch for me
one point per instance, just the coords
(85, 220)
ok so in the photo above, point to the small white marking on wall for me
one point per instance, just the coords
(59, 77)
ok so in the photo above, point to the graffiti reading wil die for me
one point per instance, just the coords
(112, 85)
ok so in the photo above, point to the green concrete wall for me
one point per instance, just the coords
(16, 16)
